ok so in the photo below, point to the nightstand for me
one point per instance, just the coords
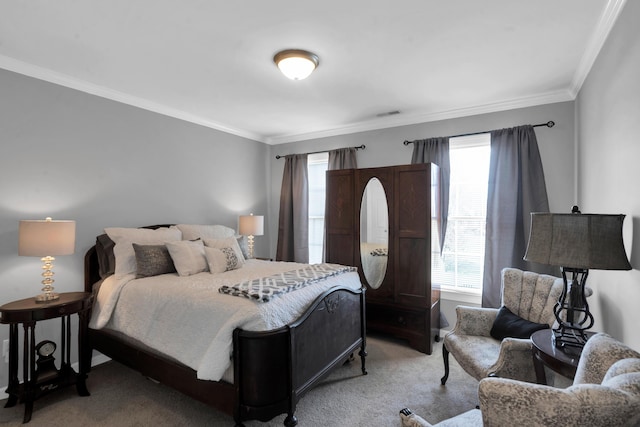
(44, 378)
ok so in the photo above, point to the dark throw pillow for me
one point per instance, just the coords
(152, 260)
(511, 325)
(106, 258)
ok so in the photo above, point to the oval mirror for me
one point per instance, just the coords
(374, 233)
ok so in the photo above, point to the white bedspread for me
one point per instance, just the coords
(188, 319)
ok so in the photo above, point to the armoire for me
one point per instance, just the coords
(384, 221)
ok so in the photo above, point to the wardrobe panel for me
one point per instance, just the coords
(340, 219)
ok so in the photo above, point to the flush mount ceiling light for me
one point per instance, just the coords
(296, 64)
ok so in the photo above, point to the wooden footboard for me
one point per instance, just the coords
(274, 369)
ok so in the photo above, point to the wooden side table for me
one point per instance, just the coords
(37, 382)
(546, 353)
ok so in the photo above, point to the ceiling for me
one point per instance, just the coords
(210, 61)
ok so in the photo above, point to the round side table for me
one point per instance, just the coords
(36, 383)
(546, 353)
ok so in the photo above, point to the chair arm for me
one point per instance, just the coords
(474, 320)
(511, 402)
(515, 360)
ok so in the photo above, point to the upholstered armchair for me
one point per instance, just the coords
(529, 296)
(605, 392)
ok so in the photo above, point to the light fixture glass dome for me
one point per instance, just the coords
(296, 64)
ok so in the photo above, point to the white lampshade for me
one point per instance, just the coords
(296, 64)
(46, 237)
(251, 225)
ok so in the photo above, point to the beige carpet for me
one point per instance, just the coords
(398, 377)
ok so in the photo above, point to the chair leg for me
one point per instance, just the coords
(445, 357)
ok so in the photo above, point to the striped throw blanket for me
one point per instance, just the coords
(265, 288)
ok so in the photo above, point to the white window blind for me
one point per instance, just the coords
(317, 165)
(461, 265)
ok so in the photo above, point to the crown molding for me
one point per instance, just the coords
(50, 76)
(609, 16)
(61, 79)
(404, 120)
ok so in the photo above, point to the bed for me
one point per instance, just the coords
(270, 368)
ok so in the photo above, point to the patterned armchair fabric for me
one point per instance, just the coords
(605, 392)
(529, 295)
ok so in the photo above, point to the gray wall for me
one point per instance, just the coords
(608, 111)
(385, 148)
(71, 155)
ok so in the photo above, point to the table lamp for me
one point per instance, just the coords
(251, 225)
(45, 238)
(576, 242)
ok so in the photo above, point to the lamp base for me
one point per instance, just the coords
(47, 296)
(47, 288)
(250, 245)
(569, 340)
(572, 311)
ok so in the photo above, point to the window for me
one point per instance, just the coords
(317, 165)
(461, 266)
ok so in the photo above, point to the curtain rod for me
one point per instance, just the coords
(359, 147)
(549, 124)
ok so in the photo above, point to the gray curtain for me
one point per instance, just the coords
(436, 150)
(516, 188)
(342, 158)
(293, 224)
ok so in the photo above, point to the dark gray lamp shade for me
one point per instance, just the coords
(575, 240)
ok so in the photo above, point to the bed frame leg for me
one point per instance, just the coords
(363, 354)
(291, 420)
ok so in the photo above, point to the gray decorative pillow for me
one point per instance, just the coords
(152, 260)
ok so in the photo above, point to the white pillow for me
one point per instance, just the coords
(124, 239)
(221, 260)
(228, 242)
(188, 257)
(194, 231)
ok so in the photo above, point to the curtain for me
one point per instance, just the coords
(293, 224)
(342, 158)
(516, 188)
(436, 150)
